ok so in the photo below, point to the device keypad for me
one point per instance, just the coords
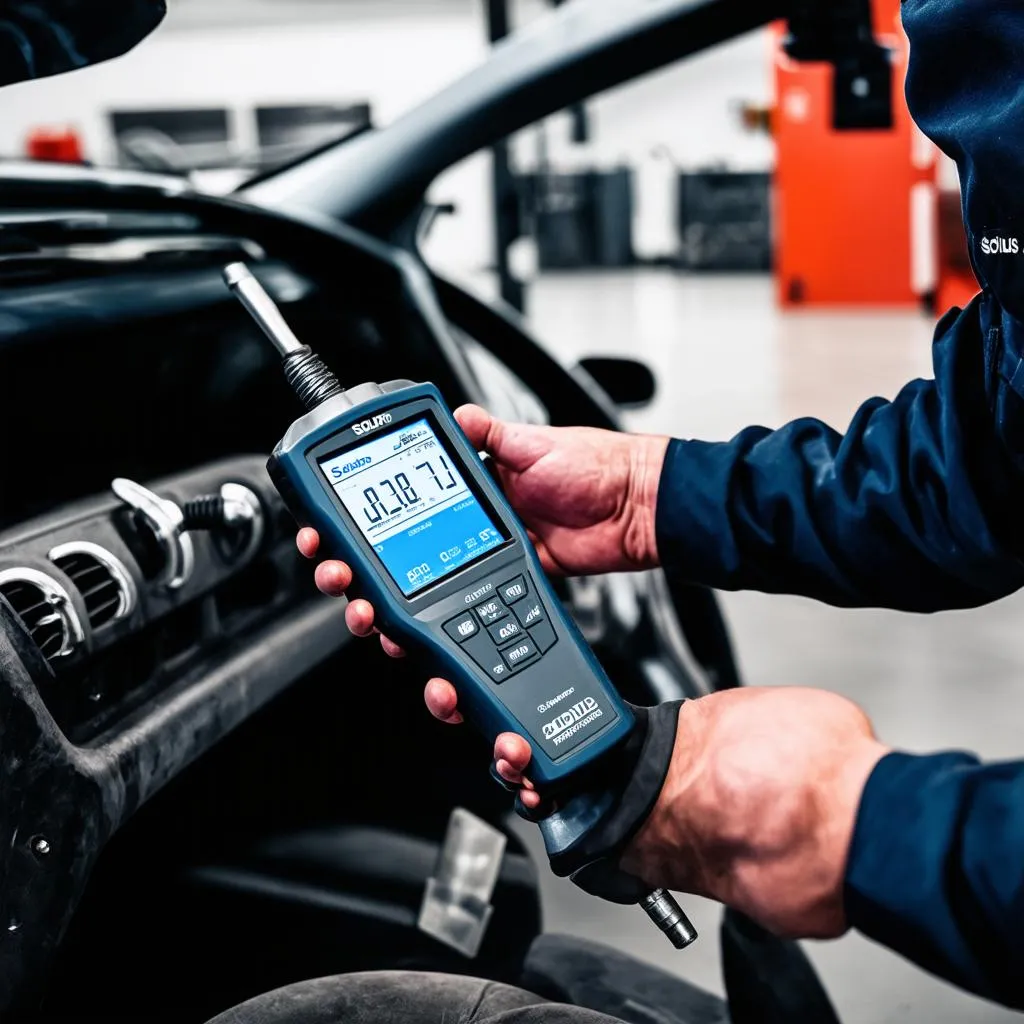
(516, 631)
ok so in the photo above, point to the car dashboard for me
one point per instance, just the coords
(131, 379)
(132, 383)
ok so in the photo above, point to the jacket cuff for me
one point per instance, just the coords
(691, 512)
(904, 838)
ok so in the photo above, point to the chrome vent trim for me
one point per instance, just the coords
(45, 609)
(106, 586)
(165, 519)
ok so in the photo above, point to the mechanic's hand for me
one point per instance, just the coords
(587, 497)
(759, 805)
(511, 752)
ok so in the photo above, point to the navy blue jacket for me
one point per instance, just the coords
(918, 506)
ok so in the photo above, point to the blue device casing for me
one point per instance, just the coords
(561, 700)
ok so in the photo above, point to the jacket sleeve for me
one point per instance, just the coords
(936, 870)
(918, 506)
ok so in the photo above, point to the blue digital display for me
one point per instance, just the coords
(407, 496)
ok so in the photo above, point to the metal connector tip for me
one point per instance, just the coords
(235, 274)
(663, 910)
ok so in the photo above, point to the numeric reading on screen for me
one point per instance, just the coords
(401, 491)
(410, 501)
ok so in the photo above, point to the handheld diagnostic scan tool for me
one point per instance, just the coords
(388, 479)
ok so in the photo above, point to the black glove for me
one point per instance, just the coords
(613, 805)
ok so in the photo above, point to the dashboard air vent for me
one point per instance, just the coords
(45, 610)
(105, 585)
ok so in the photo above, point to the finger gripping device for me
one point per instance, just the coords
(387, 478)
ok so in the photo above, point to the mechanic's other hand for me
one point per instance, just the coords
(511, 752)
(333, 578)
(759, 805)
(588, 497)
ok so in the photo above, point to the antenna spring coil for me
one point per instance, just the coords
(311, 380)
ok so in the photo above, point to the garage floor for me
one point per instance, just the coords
(726, 358)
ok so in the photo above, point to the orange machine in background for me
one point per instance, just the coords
(54, 145)
(855, 213)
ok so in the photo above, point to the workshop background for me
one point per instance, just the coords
(707, 220)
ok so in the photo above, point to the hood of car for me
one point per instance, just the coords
(39, 38)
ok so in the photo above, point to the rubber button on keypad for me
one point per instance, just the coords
(513, 590)
(520, 653)
(543, 636)
(491, 611)
(462, 628)
(505, 631)
(529, 613)
(497, 669)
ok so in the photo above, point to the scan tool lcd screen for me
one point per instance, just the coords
(405, 493)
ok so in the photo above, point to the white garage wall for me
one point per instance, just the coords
(391, 62)
(392, 53)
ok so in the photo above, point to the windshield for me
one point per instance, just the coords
(228, 90)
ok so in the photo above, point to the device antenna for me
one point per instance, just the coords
(311, 380)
